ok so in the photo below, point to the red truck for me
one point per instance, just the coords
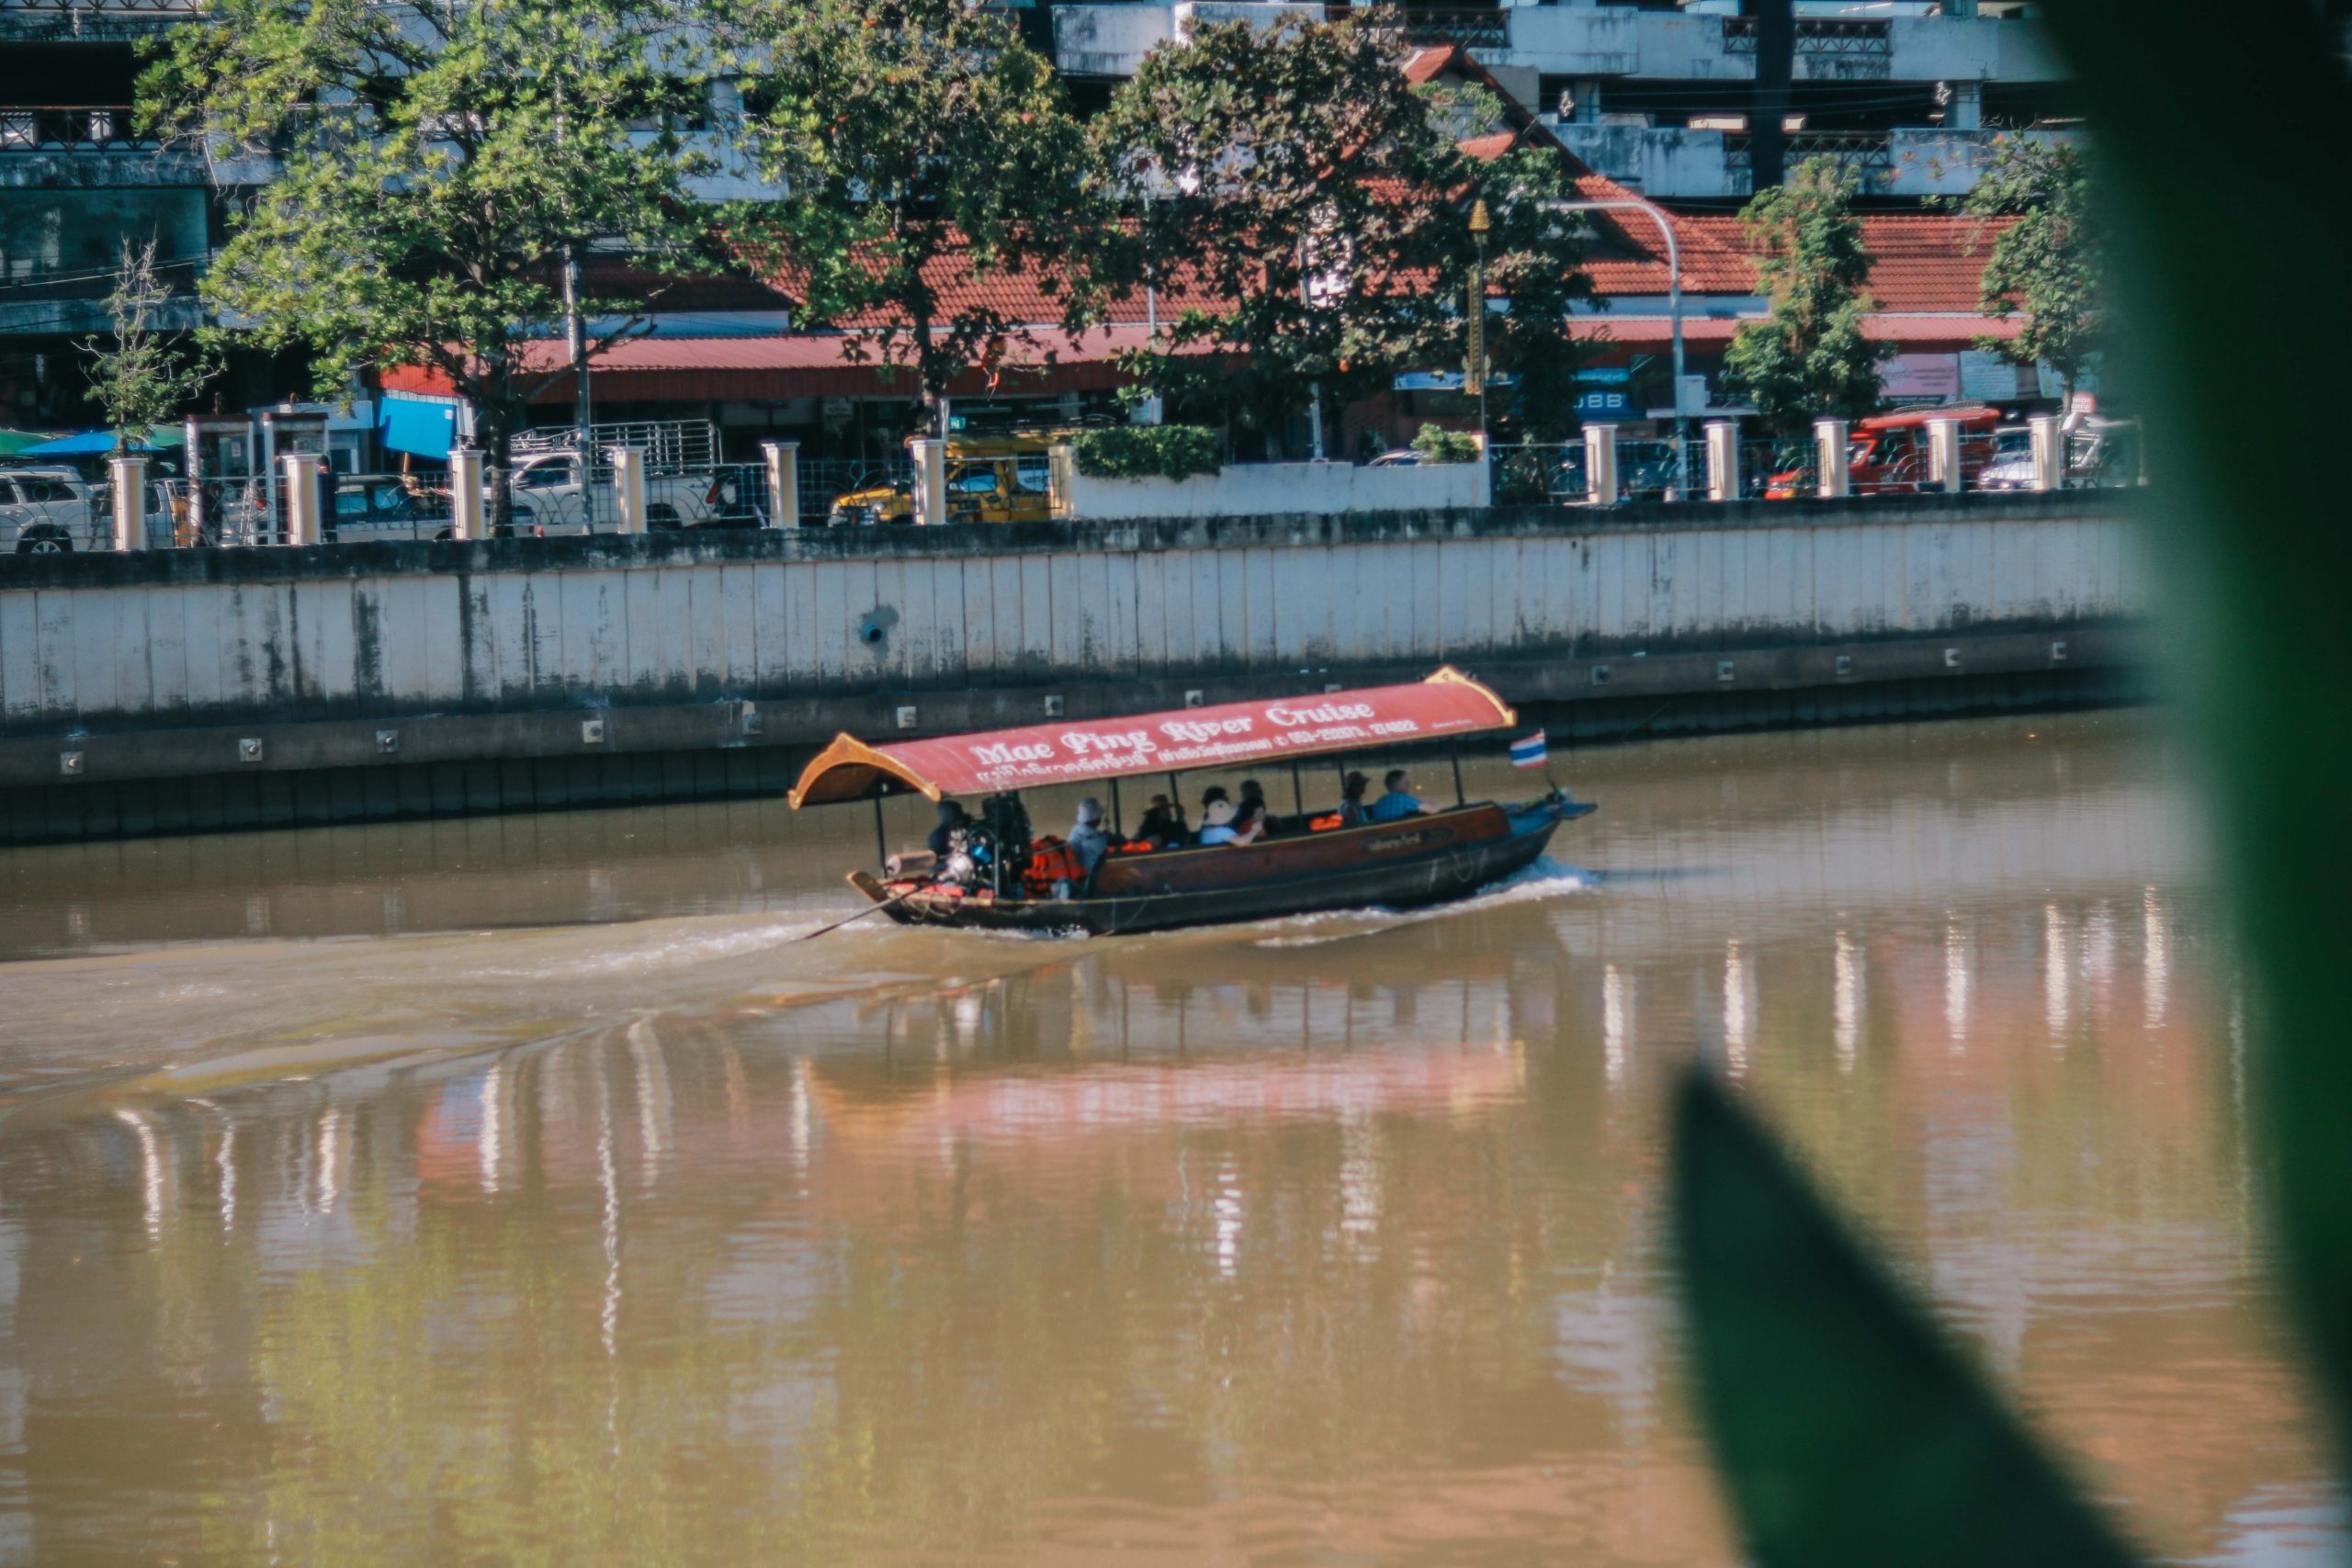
(1887, 454)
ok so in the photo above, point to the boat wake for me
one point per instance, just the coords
(1545, 879)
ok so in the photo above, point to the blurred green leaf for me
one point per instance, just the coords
(2220, 135)
(1847, 1429)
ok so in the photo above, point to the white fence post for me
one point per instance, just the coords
(1722, 459)
(304, 470)
(2048, 452)
(1829, 444)
(629, 487)
(784, 482)
(129, 472)
(467, 498)
(1943, 455)
(1061, 460)
(1600, 465)
(930, 481)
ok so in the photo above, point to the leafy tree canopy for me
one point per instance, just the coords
(1810, 358)
(2049, 262)
(910, 135)
(428, 167)
(1306, 208)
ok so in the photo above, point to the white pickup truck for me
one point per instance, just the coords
(550, 498)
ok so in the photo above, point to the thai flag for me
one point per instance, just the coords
(1529, 753)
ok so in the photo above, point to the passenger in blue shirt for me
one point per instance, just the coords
(1399, 801)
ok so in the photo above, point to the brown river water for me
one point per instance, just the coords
(515, 1190)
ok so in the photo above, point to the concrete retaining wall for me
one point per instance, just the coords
(1327, 489)
(507, 653)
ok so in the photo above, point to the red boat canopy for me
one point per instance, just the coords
(1230, 735)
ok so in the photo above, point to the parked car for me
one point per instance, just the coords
(54, 510)
(46, 512)
(551, 497)
(366, 507)
(2100, 453)
(1887, 454)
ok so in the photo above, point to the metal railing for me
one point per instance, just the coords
(2108, 456)
(1817, 35)
(68, 127)
(1870, 154)
(1469, 27)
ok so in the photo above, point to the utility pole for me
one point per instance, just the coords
(575, 342)
(1776, 60)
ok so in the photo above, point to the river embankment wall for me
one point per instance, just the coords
(175, 689)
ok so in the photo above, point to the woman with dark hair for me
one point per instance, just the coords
(1250, 819)
(1351, 807)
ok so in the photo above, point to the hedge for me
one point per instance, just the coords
(1437, 445)
(1150, 451)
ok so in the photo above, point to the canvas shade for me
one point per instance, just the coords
(1229, 735)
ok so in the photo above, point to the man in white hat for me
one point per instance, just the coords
(1087, 836)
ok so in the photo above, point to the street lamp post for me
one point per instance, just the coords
(1674, 312)
(1474, 368)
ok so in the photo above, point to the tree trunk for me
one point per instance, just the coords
(1776, 51)
(495, 430)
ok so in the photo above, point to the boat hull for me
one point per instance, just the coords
(1401, 864)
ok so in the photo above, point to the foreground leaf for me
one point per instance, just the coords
(1847, 1429)
(2226, 233)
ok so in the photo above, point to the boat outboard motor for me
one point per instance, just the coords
(970, 853)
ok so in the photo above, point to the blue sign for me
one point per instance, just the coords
(1445, 380)
(1607, 407)
(1606, 376)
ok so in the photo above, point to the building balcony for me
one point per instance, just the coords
(1674, 45)
(73, 127)
(86, 21)
(78, 145)
(1675, 162)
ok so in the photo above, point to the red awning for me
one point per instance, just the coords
(1229, 735)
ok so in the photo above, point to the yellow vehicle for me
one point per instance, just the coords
(996, 478)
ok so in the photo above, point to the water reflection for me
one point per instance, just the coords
(1323, 1239)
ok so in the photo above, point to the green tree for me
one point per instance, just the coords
(143, 375)
(1307, 210)
(429, 170)
(924, 148)
(2049, 262)
(1810, 359)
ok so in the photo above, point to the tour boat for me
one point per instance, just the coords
(1307, 864)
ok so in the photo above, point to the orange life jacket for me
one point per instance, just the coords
(1324, 824)
(1051, 861)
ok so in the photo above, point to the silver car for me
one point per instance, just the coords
(46, 512)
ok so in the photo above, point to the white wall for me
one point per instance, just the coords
(1106, 603)
(1248, 490)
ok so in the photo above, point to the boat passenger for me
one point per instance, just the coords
(952, 818)
(1162, 824)
(1251, 821)
(1399, 801)
(1087, 836)
(1352, 812)
(1216, 818)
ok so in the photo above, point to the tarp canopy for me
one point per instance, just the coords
(1229, 735)
(93, 443)
(14, 441)
(424, 426)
